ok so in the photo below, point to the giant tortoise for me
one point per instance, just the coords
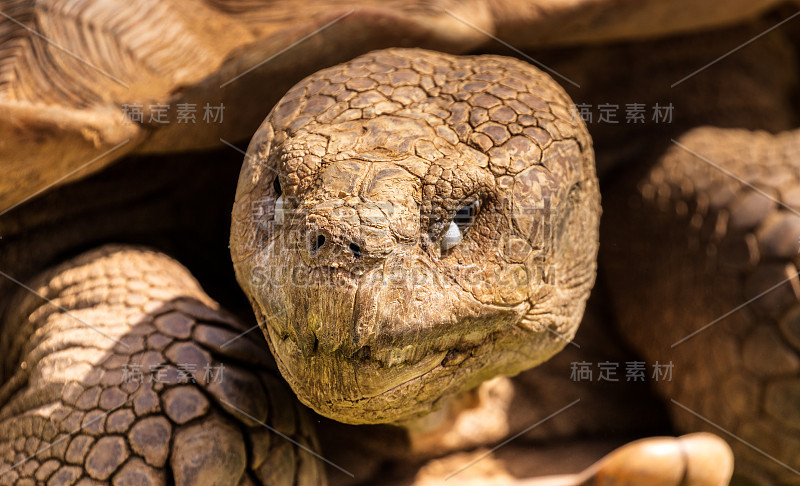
(416, 231)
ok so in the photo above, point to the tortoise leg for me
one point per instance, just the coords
(699, 459)
(128, 373)
(700, 251)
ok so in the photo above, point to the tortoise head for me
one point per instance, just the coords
(410, 224)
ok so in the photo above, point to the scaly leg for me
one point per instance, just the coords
(126, 372)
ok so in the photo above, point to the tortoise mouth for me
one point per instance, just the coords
(373, 376)
(354, 388)
(376, 394)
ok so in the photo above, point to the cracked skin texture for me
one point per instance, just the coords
(369, 318)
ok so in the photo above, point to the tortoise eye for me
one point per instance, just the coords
(465, 215)
(276, 184)
(462, 221)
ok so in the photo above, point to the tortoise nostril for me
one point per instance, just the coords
(355, 249)
(318, 242)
